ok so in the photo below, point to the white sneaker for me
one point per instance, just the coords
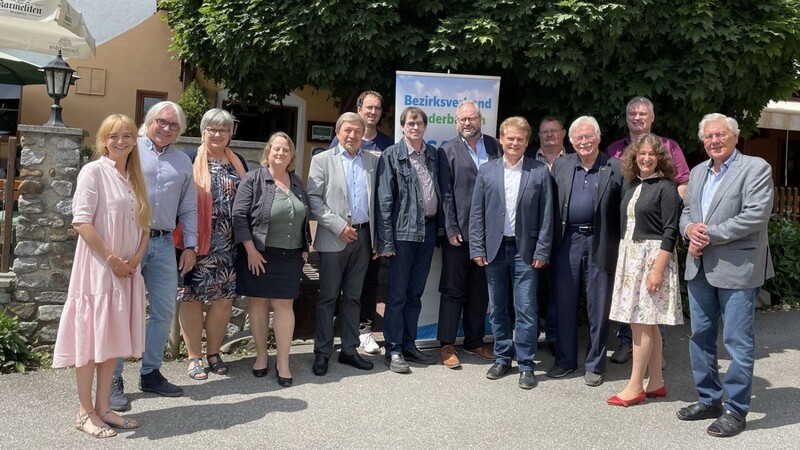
(368, 341)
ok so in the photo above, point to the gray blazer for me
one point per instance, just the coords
(738, 255)
(327, 194)
(533, 228)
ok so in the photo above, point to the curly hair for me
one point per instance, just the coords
(666, 165)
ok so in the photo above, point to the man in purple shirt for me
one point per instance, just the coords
(640, 116)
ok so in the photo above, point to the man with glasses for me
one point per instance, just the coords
(588, 187)
(639, 115)
(341, 194)
(408, 204)
(370, 107)
(725, 218)
(462, 283)
(171, 192)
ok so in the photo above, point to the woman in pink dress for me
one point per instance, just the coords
(103, 318)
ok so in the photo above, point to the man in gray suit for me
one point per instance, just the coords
(341, 184)
(510, 232)
(725, 216)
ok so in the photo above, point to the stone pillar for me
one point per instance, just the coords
(45, 239)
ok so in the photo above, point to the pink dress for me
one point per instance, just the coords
(104, 315)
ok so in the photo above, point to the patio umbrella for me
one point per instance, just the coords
(45, 26)
(18, 71)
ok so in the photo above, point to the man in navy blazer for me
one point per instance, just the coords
(725, 217)
(510, 232)
(588, 188)
(463, 284)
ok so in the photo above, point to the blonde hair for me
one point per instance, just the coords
(112, 124)
(265, 155)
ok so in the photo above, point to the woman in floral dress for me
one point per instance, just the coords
(646, 287)
(217, 173)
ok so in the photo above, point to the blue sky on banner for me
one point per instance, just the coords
(438, 95)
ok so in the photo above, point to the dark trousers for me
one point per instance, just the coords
(408, 272)
(341, 272)
(369, 293)
(573, 268)
(463, 288)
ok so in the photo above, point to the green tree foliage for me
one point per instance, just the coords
(194, 102)
(565, 57)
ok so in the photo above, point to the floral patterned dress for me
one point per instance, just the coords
(631, 302)
(214, 275)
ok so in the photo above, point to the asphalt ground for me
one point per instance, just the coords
(433, 407)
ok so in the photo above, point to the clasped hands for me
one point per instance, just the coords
(698, 238)
(123, 268)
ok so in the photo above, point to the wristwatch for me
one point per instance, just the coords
(194, 249)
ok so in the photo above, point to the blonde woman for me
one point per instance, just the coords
(217, 173)
(103, 318)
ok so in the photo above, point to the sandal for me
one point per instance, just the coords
(197, 372)
(100, 432)
(218, 366)
(127, 423)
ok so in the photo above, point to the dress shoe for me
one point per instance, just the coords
(397, 363)
(260, 373)
(320, 366)
(699, 411)
(416, 356)
(449, 357)
(658, 393)
(356, 361)
(155, 382)
(622, 354)
(483, 352)
(616, 401)
(497, 371)
(593, 379)
(727, 425)
(283, 382)
(527, 380)
(559, 372)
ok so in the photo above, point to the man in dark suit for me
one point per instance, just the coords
(510, 232)
(725, 217)
(463, 283)
(588, 191)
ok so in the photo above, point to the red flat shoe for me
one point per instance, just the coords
(658, 393)
(616, 401)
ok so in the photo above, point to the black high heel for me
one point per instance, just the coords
(284, 382)
(260, 373)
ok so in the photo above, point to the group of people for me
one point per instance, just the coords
(602, 225)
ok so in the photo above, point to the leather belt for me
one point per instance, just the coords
(154, 233)
(358, 226)
(509, 238)
(581, 228)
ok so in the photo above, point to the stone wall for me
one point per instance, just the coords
(250, 150)
(45, 239)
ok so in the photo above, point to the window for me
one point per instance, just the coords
(145, 100)
(258, 125)
(92, 82)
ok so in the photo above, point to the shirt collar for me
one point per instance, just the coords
(346, 154)
(508, 165)
(411, 148)
(479, 141)
(146, 144)
(727, 163)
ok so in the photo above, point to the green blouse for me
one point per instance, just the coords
(286, 219)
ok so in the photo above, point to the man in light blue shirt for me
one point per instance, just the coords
(171, 192)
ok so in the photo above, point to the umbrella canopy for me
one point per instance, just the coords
(45, 26)
(18, 71)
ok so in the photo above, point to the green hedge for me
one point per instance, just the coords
(784, 243)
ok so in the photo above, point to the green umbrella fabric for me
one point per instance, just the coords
(19, 72)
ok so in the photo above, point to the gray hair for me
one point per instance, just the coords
(733, 125)
(584, 120)
(218, 116)
(350, 117)
(469, 102)
(156, 109)
(643, 100)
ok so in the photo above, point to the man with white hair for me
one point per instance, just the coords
(725, 217)
(588, 187)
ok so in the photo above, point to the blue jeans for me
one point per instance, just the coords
(521, 341)
(160, 273)
(408, 273)
(737, 307)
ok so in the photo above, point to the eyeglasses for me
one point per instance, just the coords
(473, 119)
(550, 131)
(172, 125)
(584, 137)
(373, 108)
(415, 124)
(219, 131)
(722, 135)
